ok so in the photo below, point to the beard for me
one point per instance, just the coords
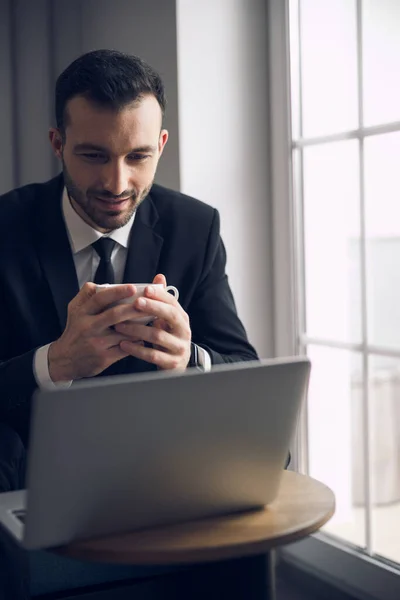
(89, 206)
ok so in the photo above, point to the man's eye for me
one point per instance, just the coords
(139, 157)
(93, 156)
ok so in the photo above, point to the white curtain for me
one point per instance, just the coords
(384, 438)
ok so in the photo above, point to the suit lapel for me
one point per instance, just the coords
(144, 245)
(54, 249)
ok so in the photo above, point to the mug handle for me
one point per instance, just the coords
(174, 290)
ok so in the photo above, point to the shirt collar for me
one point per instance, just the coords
(81, 235)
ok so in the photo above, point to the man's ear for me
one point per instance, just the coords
(56, 142)
(162, 141)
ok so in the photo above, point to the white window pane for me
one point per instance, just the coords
(384, 389)
(382, 197)
(331, 238)
(335, 448)
(329, 66)
(381, 58)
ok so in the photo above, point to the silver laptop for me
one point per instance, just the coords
(137, 451)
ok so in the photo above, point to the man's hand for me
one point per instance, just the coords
(170, 334)
(89, 343)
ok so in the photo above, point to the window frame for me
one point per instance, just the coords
(346, 567)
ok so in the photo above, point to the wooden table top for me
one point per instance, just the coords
(303, 505)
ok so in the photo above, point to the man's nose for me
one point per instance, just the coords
(116, 178)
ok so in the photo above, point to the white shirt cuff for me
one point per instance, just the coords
(204, 359)
(41, 371)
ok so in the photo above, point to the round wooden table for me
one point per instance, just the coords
(302, 506)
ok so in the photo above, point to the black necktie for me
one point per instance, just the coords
(105, 272)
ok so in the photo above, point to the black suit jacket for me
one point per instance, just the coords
(172, 234)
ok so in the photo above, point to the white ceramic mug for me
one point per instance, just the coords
(140, 287)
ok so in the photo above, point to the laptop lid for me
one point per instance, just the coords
(128, 452)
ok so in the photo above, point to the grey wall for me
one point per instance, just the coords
(7, 146)
(39, 39)
(224, 141)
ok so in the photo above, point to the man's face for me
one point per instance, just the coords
(109, 158)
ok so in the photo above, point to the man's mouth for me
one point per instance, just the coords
(114, 202)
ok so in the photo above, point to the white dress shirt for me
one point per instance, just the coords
(81, 237)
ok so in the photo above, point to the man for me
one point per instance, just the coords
(104, 221)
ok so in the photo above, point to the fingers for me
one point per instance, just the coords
(88, 345)
(170, 311)
(157, 303)
(170, 349)
(115, 315)
(103, 352)
(160, 278)
(155, 356)
(102, 299)
(115, 354)
(114, 339)
(159, 294)
(85, 293)
(153, 335)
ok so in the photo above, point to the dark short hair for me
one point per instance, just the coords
(108, 78)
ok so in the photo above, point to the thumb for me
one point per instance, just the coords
(160, 278)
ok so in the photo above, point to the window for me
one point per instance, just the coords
(343, 129)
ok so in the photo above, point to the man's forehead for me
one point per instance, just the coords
(83, 112)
